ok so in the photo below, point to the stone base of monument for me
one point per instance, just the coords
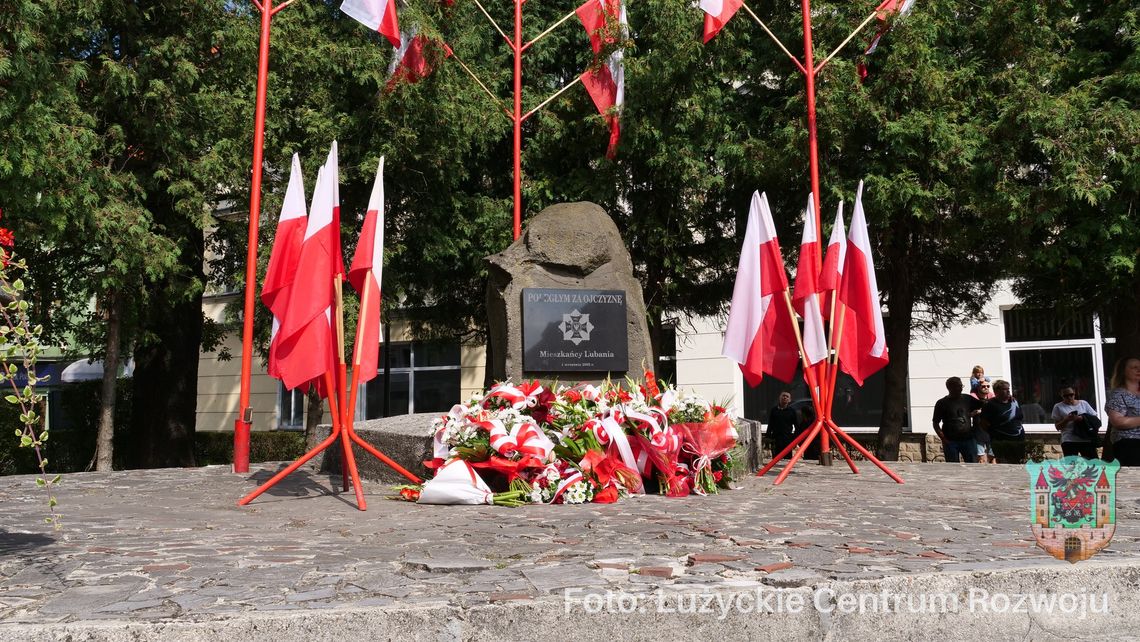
(403, 438)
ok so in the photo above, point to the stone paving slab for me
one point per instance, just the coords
(167, 554)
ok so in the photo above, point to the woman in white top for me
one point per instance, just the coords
(1123, 409)
(1068, 418)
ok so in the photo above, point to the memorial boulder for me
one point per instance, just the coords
(563, 303)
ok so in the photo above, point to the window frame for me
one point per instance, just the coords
(1095, 344)
(361, 410)
(296, 397)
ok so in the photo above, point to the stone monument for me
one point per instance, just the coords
(562, 302)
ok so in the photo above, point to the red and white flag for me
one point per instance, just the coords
(606, 86)
(377, 15)
(863, 346)
(805, 297)
(832, 272)
(307, 348)
(884, 11)
(332, 173)
(364, 275)
(717, 14)
(284, 256)
(760, 336)
(416, 57)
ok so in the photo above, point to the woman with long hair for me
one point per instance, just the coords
(1123, 407)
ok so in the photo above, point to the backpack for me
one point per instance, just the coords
(958, 426)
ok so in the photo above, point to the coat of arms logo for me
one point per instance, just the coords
(1072, 503)
(576, 327)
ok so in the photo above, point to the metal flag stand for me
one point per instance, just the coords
(824, 427)
(342, 429)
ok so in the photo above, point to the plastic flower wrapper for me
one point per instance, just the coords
(456, 482)
(704, 442)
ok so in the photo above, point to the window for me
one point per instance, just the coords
(421, 377)
(290, 408)
(854, 407)
(1047, 351)
(666, 369)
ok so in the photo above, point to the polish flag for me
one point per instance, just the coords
(717, 15)
(307, 349)
(332, 173)
(416, 57)
(863, 347)
(760, 336)
(606, 85)
(364, 274)
(285, 255)
(884, 10)
(832, 272)
(377, 15)
(805, 297)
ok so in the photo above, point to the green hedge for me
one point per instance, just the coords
(71, 447)
(212, 448)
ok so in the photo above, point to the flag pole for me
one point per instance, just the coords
(358, 344)
(835, 429)
(348, 467)
(517, 48)
(818, 426)
(813, 162)
(244, 420)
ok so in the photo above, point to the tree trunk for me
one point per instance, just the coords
(104, 442)
(900, 315)
(895, 376)
(166, 384)
(314, 412)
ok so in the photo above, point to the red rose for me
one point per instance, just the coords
(410, 494)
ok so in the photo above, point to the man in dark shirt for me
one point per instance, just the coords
(953, 425)
(1002, 418)
(782, 424)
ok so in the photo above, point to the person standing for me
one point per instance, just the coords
(984, 392)
(1003, 420)
(1069, 418)
(953, 423)
(783, 421)
(977, 378)
(1123, 408)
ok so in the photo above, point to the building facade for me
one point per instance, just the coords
(1039, 351)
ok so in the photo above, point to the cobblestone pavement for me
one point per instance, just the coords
(172, 545)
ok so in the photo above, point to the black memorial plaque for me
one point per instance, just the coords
(574, 330)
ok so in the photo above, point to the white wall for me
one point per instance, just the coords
(701, 368)
(954, 353)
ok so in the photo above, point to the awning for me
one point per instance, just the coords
(86, 370)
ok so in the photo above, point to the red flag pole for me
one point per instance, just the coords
(245, 414)
(517, 47)
(244, 420)
(813, 161)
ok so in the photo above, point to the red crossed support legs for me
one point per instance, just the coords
(342, 413)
